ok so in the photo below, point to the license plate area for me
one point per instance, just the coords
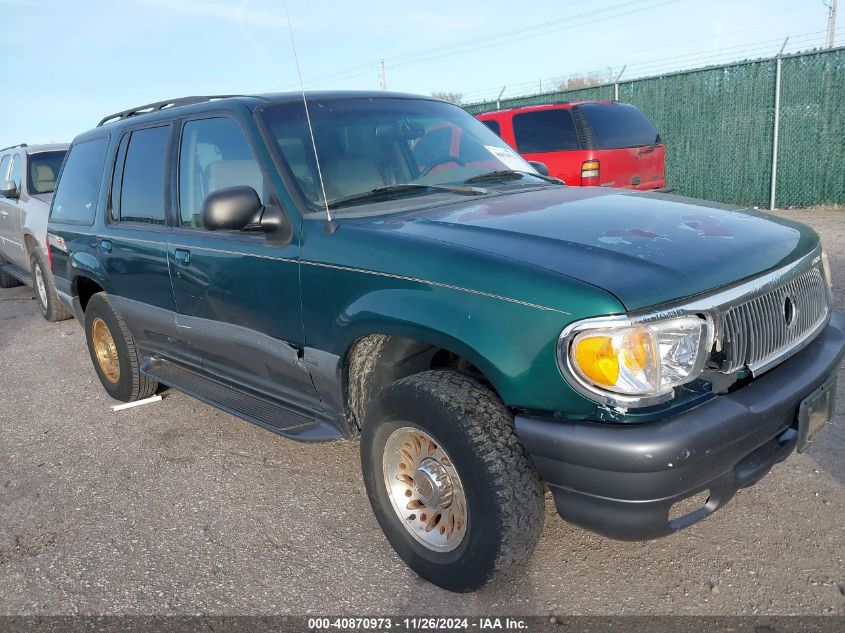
(814, 412)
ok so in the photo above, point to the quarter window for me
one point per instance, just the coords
(214, 154)
(79, 183)
(545, 131)
(618, 125)
(142, 185)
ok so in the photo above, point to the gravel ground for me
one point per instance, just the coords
(177, 508)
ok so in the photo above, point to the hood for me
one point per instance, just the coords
(645, 248)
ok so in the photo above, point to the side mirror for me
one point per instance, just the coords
(540, 167)
(231, 209)
(9, 189)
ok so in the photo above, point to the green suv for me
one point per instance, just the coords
(384, 266)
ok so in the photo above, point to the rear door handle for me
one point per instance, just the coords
(183, 257)
(105, 245)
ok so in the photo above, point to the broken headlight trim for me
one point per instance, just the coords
(631, 362)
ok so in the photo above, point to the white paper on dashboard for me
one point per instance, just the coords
(510, 158)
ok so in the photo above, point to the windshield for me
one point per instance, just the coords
(365, 144)
(43, 170)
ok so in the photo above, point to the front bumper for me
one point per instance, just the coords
(622, 480)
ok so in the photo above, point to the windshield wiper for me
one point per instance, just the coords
(397, 191)
(510, 174)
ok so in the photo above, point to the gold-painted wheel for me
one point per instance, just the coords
(424, 489)
(105, 350)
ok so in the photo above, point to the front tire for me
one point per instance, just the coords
(113, 352)
(48, 300)
(451, 486)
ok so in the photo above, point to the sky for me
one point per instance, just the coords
(68, 63)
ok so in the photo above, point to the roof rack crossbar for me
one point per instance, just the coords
(13, 146)
(158, 106)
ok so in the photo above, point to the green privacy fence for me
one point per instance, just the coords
(719, 127)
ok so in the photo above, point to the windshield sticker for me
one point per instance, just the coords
(510, 158)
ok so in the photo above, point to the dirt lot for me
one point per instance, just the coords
(178, 508)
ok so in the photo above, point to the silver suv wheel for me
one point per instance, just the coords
(425, 489)
(40, 286)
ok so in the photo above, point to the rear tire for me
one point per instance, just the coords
(471, 428)
(113, 352)
(44, 285)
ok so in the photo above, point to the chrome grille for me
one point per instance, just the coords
(760, 330)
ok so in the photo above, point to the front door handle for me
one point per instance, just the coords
(183, 257)
(105, 245)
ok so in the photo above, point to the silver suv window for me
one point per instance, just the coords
(4, 167)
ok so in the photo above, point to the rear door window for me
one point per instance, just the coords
(79, 183)
(618, 125)
(545, 131)
(142, 186)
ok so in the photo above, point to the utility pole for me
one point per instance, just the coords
(383, 77)
(831, 22)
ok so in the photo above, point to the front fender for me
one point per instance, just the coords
(512, 342)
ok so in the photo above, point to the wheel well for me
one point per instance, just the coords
(377, 360)
(85, 288)
(31, 244)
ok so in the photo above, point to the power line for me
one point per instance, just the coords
(614, 54)
(494, 40)
(658, 66)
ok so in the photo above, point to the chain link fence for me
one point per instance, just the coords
(718, 125)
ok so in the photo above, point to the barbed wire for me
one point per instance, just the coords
(638, 70)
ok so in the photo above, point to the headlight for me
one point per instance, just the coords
(826, 269)
(634, 362)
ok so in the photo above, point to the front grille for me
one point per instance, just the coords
(758, 331)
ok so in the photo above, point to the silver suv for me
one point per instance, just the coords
(27, 179)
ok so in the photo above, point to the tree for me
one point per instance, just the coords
(451, 97)
(585, 81)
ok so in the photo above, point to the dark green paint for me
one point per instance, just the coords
(494, 279)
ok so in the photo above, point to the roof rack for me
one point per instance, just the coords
(13, 147)
(159, 106)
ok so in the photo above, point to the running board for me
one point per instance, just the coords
(23, 276)
(250, 406)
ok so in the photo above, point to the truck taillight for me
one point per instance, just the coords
(54, 241)
(49, 254)
(590, 173)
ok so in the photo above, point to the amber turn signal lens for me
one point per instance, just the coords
(602, 358)
(597, 359)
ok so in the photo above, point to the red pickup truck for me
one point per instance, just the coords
(586, 143)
